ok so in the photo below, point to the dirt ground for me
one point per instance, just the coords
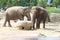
(13, 33)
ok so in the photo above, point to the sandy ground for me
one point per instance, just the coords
(13, 33)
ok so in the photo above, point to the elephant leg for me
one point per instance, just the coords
(9, 23)
(5, 23)
(33, 24)
(44, 24)
(34, 20)
(38, 24)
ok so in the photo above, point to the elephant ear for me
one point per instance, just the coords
(41, 11)
(26, 10)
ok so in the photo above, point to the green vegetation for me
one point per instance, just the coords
(55, 2)
(9, 3)
(52, 10)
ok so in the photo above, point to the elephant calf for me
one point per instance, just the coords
(16, 12)
(39, 15)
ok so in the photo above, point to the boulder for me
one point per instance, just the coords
(26, 25)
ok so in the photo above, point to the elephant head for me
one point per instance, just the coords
(27, 13)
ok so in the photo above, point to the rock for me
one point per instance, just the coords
(55, 17)
(26, 25)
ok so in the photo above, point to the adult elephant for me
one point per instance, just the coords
(39, 15)
(16, 12)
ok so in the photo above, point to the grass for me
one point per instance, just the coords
(53, 10)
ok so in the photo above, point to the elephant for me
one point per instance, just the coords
(16, 12)
(39, 15)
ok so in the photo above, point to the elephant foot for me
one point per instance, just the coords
(30, 27)
(33, 28)
(10, 26)
(38, 27)
(43, 27)
(4, 25)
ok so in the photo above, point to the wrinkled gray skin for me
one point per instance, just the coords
(16, 12)
(39, 15)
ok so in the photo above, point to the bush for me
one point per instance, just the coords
(55, 2)
(42, 3)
